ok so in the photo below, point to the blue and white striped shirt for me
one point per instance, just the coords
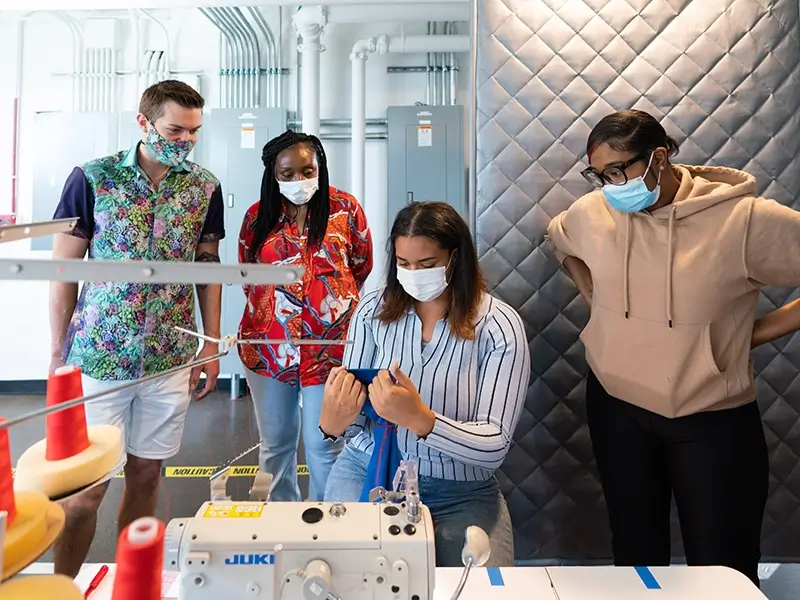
(476, 387)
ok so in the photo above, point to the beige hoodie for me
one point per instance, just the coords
(675, 290)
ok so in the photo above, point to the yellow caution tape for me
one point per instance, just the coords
(206, 472)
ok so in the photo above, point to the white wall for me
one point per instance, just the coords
(47, 49)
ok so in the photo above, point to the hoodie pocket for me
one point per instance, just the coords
(670, 371)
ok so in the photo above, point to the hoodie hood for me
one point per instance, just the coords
(701, 188)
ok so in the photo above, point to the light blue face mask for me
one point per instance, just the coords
(633, 196)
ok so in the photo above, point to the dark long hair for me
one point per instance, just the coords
(269, 206)
(441, 223)
(632, 131)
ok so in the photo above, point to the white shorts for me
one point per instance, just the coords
(151, 415)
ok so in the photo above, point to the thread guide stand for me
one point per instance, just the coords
(77, 271)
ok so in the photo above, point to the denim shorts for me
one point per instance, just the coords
(454, 506)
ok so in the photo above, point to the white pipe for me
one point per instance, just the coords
(166, 69)
(112, 83)
(416, 11)
(409, 44)
(101, 79)
(358, 125)
(383, 44)
(150, 68)
(137, 44)
(154, 58)
(76, 56)
(107, 82)
(91, 55)
(309, 23)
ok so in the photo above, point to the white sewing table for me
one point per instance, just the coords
(542, 583)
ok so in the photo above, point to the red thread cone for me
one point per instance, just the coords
(66, 429)
(7, 503)
(140, 559)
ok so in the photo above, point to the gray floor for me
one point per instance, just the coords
(217, 430)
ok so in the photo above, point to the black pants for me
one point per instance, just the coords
(715, 464)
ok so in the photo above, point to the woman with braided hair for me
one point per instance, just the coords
(299, 220)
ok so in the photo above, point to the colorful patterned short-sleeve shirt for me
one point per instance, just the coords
(123, 331)
(318, 307)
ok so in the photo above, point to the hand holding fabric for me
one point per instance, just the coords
(342, 400)
(399, 402)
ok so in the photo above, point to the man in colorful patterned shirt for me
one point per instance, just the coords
(146, 203)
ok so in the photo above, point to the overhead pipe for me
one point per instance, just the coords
(113, 81)
(226, 59)
(309, 23)
(453, 68)
(444, 75)
(77, 52)
(383, 44)
(247, 56)
(231, 70)
(429, 73)
(152, 67)
(235, 72)
(102, 70)
(415, 11)
(167, 53)
(138, 50)
(273, 73)
(90, 92)
(436, 71)
(256, 67)
(243, 66)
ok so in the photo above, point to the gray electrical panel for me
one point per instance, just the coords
(234, 139)
(426, 157)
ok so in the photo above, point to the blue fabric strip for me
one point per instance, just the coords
(495, 576)
(386, 457)
(647, 577)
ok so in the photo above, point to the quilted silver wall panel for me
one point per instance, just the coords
(722, 75)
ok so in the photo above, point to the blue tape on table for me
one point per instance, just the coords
(495, 576)
(647, 577)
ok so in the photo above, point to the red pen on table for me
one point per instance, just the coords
(96, 581)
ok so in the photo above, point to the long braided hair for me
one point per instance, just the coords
(270, 202)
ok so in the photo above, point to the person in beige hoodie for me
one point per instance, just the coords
(671, 259)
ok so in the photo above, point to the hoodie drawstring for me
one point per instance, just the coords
(625, 265)
(670, 241)
(627, 260)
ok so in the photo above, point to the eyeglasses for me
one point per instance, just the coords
(613, 174)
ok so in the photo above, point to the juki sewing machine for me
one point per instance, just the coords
(313, 551)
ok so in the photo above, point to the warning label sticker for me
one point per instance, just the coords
(233, 511)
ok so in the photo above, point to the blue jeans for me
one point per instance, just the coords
(280, 422)
(454, 506)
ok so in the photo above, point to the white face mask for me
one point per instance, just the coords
(299, 192)
(423, 285)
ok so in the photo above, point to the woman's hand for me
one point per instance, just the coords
(399, 402)
(342, 400)
(582, 277)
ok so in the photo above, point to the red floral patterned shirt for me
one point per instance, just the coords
(318, 307)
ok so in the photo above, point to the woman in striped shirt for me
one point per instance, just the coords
(460, 367)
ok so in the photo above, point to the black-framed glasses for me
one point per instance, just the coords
(612, 174)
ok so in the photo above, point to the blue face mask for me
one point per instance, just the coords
(633, 196)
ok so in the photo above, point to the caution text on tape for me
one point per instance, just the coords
(206, 472)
